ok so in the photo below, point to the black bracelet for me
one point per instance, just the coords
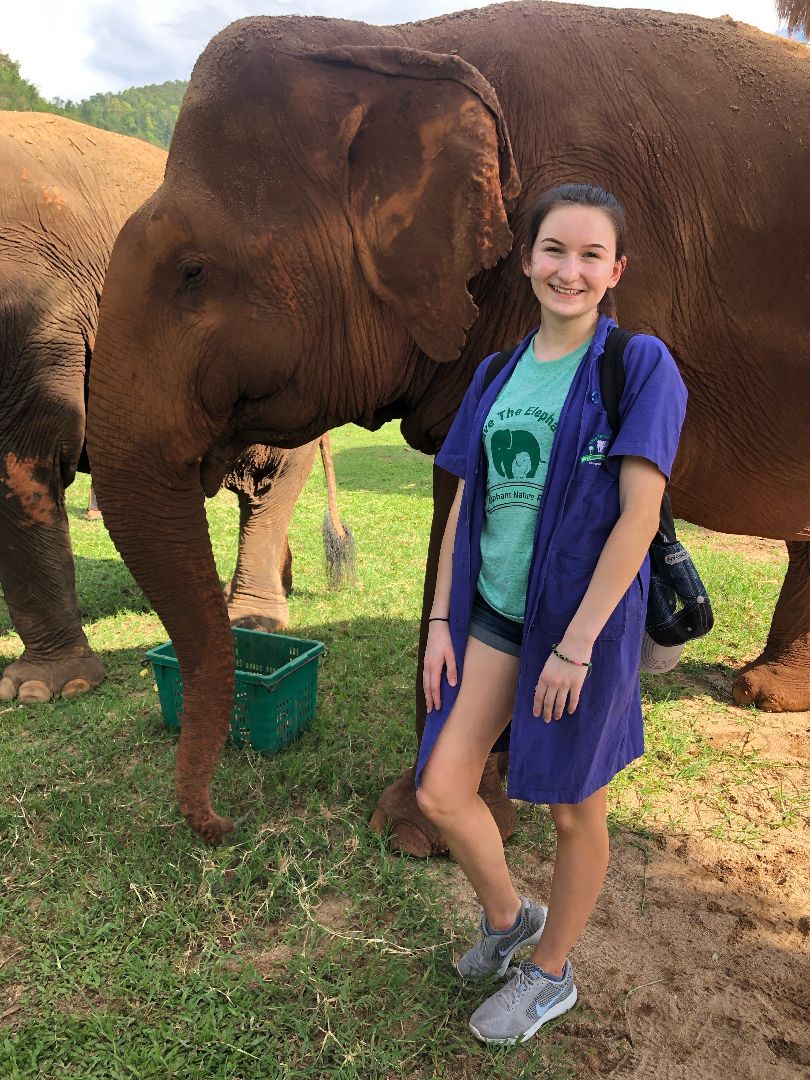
(437, 618)
(577, 663)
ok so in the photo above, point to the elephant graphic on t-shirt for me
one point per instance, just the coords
(515, 453)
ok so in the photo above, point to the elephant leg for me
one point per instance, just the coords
(779, 679)
(39, 585)
(397, 809)
(267, 482)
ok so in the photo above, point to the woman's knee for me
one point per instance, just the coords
(437, 801)
(574, 818)
(430, 802)
(564, 817)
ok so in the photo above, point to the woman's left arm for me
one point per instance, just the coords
(641, 488)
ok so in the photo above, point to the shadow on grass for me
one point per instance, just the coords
(690, 679)
(392, 469)
(104, 587)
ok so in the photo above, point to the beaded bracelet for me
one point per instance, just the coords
(577, 663)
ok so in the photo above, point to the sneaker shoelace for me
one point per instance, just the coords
(519, 982)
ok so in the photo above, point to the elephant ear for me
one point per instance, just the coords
(430, 168)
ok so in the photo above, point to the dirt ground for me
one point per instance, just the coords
(753, 547)
(696, 962)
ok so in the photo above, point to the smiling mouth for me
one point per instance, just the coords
(566, 292)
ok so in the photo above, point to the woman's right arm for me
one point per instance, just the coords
(439, 649)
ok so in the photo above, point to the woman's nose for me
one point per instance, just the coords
(568, 270)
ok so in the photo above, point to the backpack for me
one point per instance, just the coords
(673, 575)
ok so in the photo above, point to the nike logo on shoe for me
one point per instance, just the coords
(506, 951)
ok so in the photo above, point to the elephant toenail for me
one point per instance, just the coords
(34, 690)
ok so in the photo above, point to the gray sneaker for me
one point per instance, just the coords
(493, 953)
(520, 1008)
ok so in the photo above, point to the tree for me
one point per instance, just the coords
(145, 112)
(16, 93)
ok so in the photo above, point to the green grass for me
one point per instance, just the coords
(302, 949)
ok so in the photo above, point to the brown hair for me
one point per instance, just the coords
(578, 195)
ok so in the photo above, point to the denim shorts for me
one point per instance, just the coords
(494, 629)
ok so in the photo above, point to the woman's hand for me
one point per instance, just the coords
(560, 683)
(438, 655)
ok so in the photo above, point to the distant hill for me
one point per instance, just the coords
(15, 92)
(145, 112)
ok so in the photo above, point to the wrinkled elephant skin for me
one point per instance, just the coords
(65, 190)
(267, 482)
(333, 188)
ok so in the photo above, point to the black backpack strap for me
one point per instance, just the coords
(496, 366)
(611, 374)
(666, 524)
(611, 385)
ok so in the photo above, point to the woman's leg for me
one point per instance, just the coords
(579, 873)
(448, 792)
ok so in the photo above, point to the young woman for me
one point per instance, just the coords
(538, 614)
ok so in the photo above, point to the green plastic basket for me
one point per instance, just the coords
(274, 693)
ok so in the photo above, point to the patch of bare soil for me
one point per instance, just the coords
(696, 962)
(330, 917)
(10, 1005)
(757, 548)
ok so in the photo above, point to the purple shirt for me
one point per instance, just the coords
(567, 760)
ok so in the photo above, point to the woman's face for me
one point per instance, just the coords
(573, 261)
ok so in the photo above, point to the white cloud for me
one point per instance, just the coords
(75, 48)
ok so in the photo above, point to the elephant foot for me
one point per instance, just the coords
(773, 686)
(272, 617)
(413, 834)
(39, 681)
(491, 791)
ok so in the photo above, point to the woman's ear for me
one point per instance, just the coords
(526, 260)
(618, 270)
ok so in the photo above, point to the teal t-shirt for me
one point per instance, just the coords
(517, 437)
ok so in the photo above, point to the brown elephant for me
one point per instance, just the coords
(65, 190)
(333, 242)
(267, 482)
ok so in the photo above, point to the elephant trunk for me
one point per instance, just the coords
(154, 509)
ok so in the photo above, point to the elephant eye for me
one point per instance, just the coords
(193, 273)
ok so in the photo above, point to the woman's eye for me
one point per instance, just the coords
(551, 249)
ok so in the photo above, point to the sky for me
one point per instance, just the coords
(76, 48)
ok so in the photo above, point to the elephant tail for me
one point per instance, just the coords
(338, 540)
(796, 13)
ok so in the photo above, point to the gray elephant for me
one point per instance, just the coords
(65, 190)
(333, 242)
